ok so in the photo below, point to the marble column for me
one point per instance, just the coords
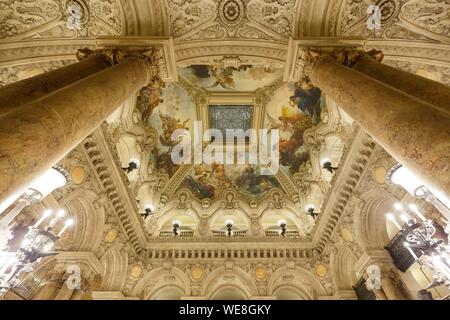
(21, 92)
(77, 295)
(48, 291)
(433, 92)
(64, 293)
(35, 136)
(379, 294)
(413, 131)
(388, 287)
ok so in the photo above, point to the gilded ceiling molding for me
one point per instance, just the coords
(288, 186)
(312, 18)
(19, 53)
(418, 51)
(262, 96)
(172, 185)
(251, 52)
(352, 167)
(145, 18)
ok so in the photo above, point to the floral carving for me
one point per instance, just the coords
(50, 18)
(254, 19)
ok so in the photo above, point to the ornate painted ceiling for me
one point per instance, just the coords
(226, 52)
(233, 53)
(248, 19)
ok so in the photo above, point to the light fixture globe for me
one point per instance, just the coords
(54, 178)
(176, 223)
(401, 176)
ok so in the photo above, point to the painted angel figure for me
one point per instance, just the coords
(307, 98)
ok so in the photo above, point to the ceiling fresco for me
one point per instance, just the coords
(293, 110)
(243, 78)
(210, 181)
(176, 111)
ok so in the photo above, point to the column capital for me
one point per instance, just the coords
(308, 58)
(149, 95)
(152, 56)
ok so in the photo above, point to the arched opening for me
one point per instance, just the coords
(238, 224)
(167, 293)
(229, 293)
(128, 153)
(273, 226)
(181, 225)
(289, 293)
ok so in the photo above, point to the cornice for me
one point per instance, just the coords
(107, 172)
(233, 250)
(352, 169)
(255, 52)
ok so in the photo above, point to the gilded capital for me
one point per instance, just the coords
(150, 95)
(309, 58)
(152, 56)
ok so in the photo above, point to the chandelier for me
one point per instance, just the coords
(54, 178)
(403, 177)
(417, 235)
(38, 242)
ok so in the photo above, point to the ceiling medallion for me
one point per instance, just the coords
(136, 271)
(78, 175)
(346, 234)
(389, 11)
(260, 273)
(321, 270)
(231, 12)
(111, 235)
(77, 11)
(197, 273)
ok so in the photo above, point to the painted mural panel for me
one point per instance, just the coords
(209, 181)
(176, 111)
(293, 109)
(244, 78)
